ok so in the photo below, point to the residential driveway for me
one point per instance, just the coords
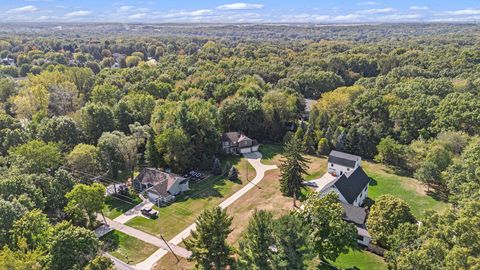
(255, 160)
(135, 211)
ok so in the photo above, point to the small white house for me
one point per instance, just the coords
(340, 162)
(238, 143)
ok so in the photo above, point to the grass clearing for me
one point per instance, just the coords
(184, 211)
(114, 207)
(406, 188)
(127, 248)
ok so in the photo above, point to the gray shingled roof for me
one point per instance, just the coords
(344, 159)
(350, 186)
(354, 214)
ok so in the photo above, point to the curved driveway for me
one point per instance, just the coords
(255, 160)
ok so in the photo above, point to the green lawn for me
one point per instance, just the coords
(355, 259)
(271, 153)
(127, 248)
(114, 207)
(186, 208)
(409, 189)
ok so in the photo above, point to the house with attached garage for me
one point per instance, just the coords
(160, 186)
(349, 181)
(238, 143)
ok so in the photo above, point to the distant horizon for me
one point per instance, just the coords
(231, 12)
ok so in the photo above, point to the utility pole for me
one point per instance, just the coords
(161, 235)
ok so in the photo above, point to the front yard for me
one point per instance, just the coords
(127, 248)
(114, 207)
(202, 195)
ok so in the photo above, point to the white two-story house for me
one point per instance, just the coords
(340, 163)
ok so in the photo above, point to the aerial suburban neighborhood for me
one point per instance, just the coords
(263, 135)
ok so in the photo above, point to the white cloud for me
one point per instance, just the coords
(25, 9)
(370, 3)
(240, 6)
(347, 17)
(419, 8)
(125, 8)
(194, 13)
(137, 16)
(376, 11)
(468, 11)
(400, 17)
(77, 14)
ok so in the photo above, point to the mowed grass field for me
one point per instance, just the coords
(127, 248)
(205, 194)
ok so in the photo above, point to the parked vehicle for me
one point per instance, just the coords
(149, 212)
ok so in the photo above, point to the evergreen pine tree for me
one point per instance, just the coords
(208, 243)
(233, 174)
(216, 169)
(309, 140)
(300, 133)
(292, 169)
(226, 169)
(255, 244)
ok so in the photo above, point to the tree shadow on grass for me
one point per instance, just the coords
(111, 241)
(437, 195)
(270, 151)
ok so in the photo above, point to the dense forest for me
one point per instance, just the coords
(75, 105)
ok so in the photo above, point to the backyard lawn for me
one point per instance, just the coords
(114, 207)
(127, 248)
(202, 195)
(409, 189)
(355, 259)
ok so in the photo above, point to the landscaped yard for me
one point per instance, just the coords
(127, 248)
(114, 207)
(184, 211)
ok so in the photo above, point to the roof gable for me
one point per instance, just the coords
(350, 186)
(156, 177)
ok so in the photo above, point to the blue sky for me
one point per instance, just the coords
(195, 11)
